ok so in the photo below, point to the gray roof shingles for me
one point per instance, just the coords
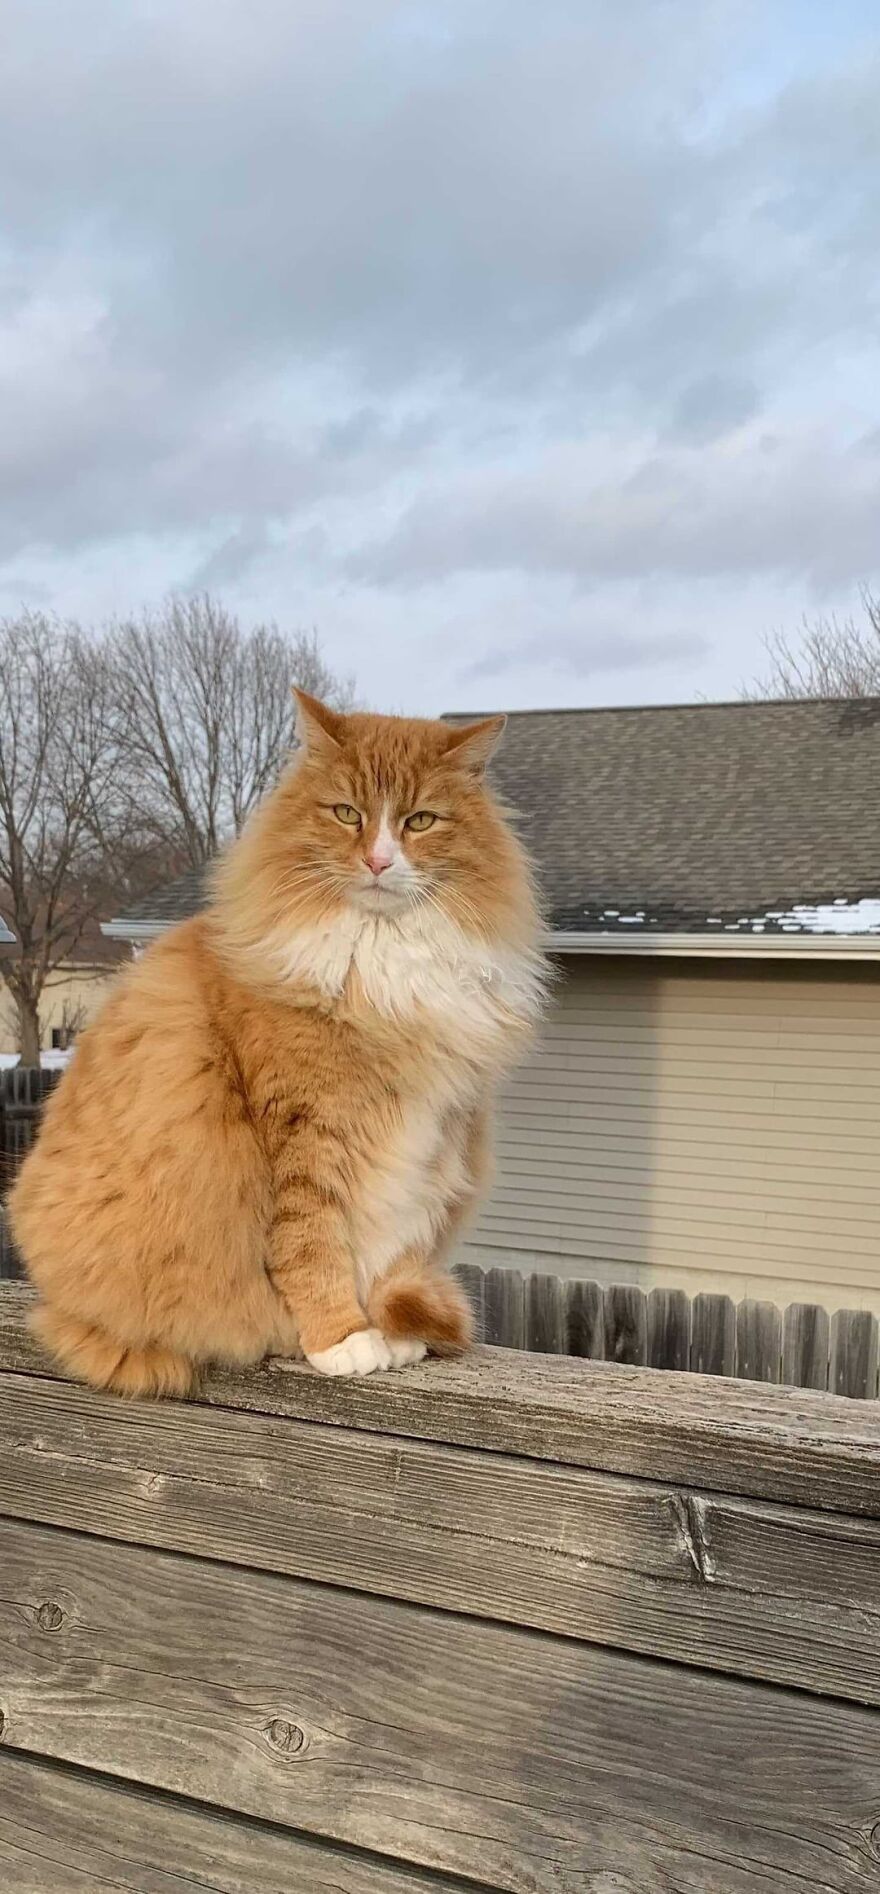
(684, 818)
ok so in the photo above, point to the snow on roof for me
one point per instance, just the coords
(834, 917)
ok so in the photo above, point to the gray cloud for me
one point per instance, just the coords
(361, 298)
(586, 656)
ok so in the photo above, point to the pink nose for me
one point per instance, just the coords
(377, 861)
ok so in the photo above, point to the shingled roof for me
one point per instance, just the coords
(742, 818)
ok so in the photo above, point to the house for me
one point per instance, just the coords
(703, 1110)
(70, 996)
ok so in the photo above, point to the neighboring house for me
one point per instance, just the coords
(70, 996)
(703, 1110)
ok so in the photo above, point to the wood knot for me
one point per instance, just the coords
(50, 1616)
(2, 1724)
(873, 1838)
(285, 1738)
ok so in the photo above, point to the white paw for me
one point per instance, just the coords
(404, 1353)
(360, 1353)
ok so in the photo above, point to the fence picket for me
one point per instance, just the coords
(669, 1329)
(626, 1325)
(805, 1345)
(504, 1309)
(854, 1354)
(546, 1315)
(473, 1282)
(758, 1341)
(585, 1303)
(713, 1335)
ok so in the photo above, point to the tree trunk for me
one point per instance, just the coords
(28, 1030)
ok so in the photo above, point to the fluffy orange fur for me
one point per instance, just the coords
(267, 1139)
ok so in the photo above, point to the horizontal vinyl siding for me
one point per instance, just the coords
(724, 1121)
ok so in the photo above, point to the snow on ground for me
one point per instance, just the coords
(50, 1061)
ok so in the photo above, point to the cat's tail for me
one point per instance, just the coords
(90, 1354)
(426, 1305)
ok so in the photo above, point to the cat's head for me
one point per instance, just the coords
(387, 817)
(393, 812)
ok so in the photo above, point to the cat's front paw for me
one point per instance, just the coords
(359, 1353)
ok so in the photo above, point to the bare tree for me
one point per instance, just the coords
(60, 801)
(207, 710)
(832, 658)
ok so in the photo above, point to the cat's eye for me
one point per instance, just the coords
(344, 812)
(423, 819)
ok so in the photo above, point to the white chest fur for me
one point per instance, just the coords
(421, 962)
(408, 1187)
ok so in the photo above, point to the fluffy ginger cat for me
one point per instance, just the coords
(268, 1137)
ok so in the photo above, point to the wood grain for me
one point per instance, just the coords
(533, 1764)
(735, 1585)
(704, 1432)
(66, 1831)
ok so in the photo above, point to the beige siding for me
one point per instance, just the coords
(71, 996)
(715, 1125)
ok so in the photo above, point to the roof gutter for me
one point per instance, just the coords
(135, 931)
(723, 945)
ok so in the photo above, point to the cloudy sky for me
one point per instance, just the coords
(528, 350)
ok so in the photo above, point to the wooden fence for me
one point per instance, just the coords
(22, 1091)
(709, 1334)
(401, 1636)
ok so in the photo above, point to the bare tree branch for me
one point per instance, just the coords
(207, 710)
(126, 756)
(832, 658)
(60, 757)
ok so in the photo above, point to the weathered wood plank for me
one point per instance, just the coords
(546, 1319)
(533, 1764)
(669, 1329)
(744, 1586)
(626, 1325)
(585, 1308)
(67, 1831)
(853, 1365)
(504, 1316)
(758, 1341)
(726, 1436)
(713, 1335)
(805, 1345)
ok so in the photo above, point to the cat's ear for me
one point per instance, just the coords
(473, 744)
(319, 729)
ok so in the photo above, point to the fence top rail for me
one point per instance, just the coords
(728, 1436)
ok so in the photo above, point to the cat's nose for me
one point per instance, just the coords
(377, 860)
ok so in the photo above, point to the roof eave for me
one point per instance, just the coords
(722, 946)
(564, 941)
